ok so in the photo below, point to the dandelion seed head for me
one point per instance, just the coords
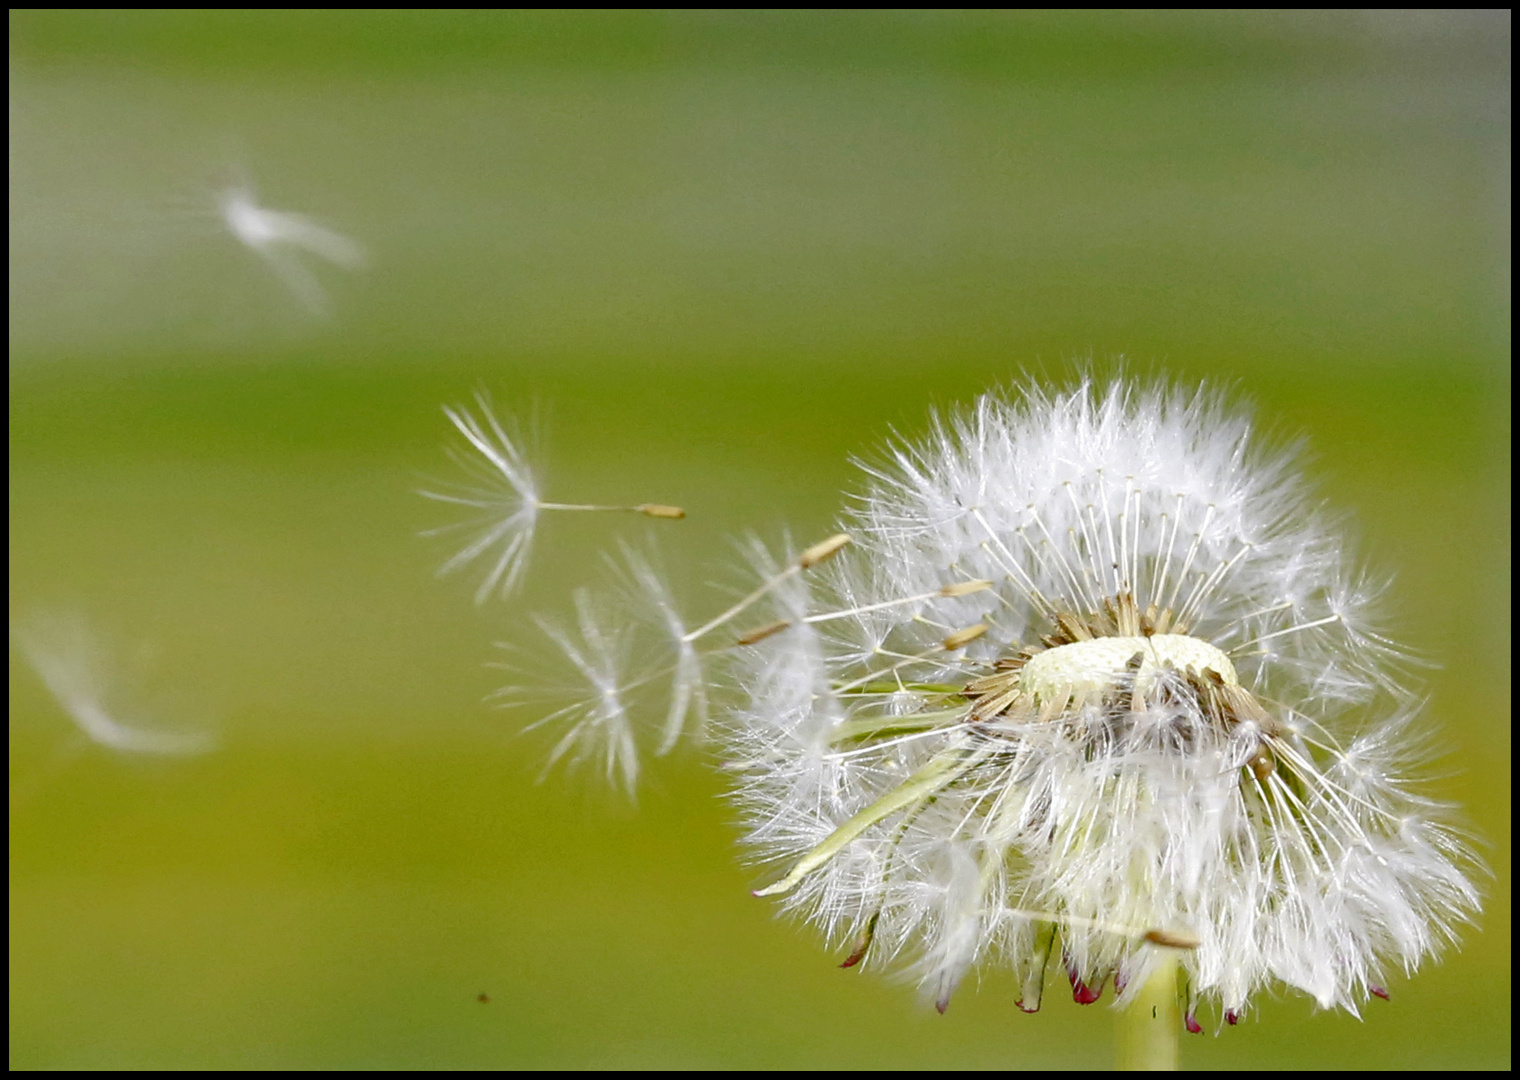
(1170, 716)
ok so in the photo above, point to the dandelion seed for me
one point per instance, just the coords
(75, 665)
(280, 237)
(1095, 682)
(505, 496)
(622, 672)
(687, 713)
(597, 725)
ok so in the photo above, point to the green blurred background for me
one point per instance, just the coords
(718, 254)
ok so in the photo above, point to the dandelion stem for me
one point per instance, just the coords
(1149, 1024)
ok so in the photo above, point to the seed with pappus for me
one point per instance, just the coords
(1095, 687)
(279, 236)
(77, 664)
(504, 499)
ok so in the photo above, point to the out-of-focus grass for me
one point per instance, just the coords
(722, 257)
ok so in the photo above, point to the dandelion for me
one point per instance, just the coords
(279, 237)
(504, 495)
(1090, 685)
(75, 665)
(1096, 689)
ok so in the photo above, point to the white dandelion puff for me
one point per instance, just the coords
(506, 499)
(638, 692)
(76, 666)
(1096, 684)
(597, 727)
(280, 238)
(686, 714)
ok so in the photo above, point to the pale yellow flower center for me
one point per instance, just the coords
(1090, 668)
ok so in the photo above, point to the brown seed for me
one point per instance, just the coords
(961, 638)
(656, 510)
(1262, 765)
(965, 588)
(824, 549)
(760, 633)
(862, 942)
(1073, 627)
(1172, 939)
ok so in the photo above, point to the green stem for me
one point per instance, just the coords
(1150, 1023)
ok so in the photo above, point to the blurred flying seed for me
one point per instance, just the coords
(74, 663)
(279, 236)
